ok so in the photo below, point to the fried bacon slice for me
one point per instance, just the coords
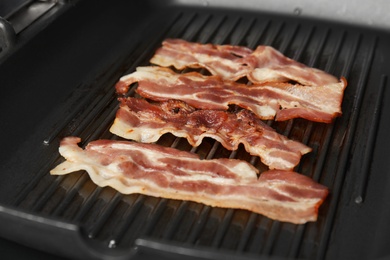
(154, 170)
(139, 120)
(264, 64)
(279, 101)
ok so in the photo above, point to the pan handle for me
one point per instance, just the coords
(150, 248)
(54, 236)
(7, 37)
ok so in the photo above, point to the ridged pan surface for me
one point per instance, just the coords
(346, 154)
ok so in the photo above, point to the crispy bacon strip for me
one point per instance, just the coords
(141, 121)
(263, 65)
(279, 101)
(131, 167)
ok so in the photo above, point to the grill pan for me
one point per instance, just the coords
(60, 82)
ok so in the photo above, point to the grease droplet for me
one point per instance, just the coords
(297, 11)
(358, 199)
(112, 244)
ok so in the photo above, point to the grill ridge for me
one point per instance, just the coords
(222, 228)
(177, 217)
(190, 33)
(198, 226)
(321, 45)
(297, 239)
(244, 239)
(92, 116)
(362, 185)
(70, 195)
(47, 194)
(231, 28)
(87, 204)
(329, 128)
(105, 213)
(261, 235)
(276, 226)
(69, 118)
(210, 28)
(289, 38)
(347, 140)
(243, 31)
(321, 154)
(271, 37)
(129, 216)
(154, 216)
(32, 184)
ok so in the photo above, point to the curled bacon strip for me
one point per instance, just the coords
(279, 101)
(142, 121)
(149, 169)
(265, 64)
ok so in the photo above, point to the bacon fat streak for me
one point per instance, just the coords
(279, 101)
(265, 64)
(142, 121)
(131, 167)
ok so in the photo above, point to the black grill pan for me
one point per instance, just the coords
(60, 83)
